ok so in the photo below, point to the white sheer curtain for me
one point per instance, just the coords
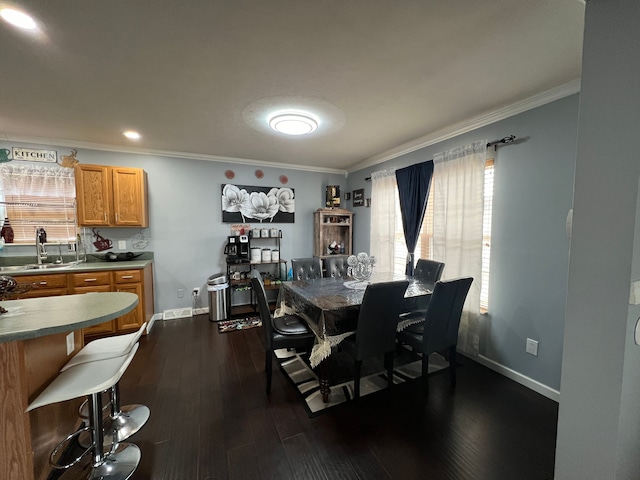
(383, 218)
(33, 195)
(457, 228)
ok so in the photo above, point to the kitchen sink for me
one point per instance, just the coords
(13, 268)
(48, 266)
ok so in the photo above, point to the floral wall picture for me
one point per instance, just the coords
(241, 203)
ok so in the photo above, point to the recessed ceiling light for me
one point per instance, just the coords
(18, 19)
(132, 135)
(293, 124)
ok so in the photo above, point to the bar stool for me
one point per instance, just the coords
(91, 379)
(127, 420)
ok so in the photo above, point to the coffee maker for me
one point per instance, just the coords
(232, 249)
(243, 248)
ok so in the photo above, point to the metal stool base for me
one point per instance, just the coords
(130, 419)
(118, 465)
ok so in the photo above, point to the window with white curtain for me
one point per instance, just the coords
(33, 196)
(424, 247)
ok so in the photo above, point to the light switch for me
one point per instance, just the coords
(122, 244)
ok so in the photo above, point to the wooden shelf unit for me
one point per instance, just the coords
(329, 225)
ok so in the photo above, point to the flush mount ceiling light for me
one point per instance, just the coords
(131, 135)
(293, 123)
(18, 19)
(273, 114)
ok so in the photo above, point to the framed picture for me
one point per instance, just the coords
(358, 198)
(245, 204)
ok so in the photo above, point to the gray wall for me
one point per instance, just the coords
(530, 250)
(186, 232)
(599, 419)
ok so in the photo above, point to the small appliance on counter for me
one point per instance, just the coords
(243, 251)
(237, 249)
(232, 248)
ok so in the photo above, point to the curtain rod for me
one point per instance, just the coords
(505, 140)
(494, 144)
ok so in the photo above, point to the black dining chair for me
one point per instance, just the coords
(376, 330)
(428, 271)
(336, 266)
(439, 331)
(288, 331)
(306, 268)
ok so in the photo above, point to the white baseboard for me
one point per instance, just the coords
(528, 382)
(199, 311)
(156, 316)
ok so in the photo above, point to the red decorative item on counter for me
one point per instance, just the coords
(7, 231)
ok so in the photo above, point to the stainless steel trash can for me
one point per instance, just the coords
(217, 286)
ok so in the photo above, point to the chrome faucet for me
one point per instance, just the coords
(41, 251)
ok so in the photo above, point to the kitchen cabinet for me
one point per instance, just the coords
(138, 281)
(50, 285)
(332, 225)
(111, 196)
(90, 282)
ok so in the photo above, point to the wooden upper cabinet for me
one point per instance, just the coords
(93, 195)
(111, 196)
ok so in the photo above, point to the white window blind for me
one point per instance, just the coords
(35, 196)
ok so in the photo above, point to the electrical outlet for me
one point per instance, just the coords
(532, 347)
(122, 244)
(196, 291)
(71, 344)
(180, 293)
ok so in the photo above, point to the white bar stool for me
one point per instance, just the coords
(91, 379)
(127, 420)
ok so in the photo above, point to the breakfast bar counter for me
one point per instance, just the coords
(37, 337)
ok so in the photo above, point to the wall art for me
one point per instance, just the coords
(245, 204)
(358, 197)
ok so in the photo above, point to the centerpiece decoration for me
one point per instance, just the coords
(361, 267)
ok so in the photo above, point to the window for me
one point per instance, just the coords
(34, 196)
(424, 247)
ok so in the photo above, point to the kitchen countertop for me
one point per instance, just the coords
(89, 266)
(38, 317)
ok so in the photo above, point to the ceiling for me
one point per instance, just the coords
(197, 77)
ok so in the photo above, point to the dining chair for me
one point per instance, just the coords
(376, 330)
(428, 271)
(306, 268)
(336, 266)
(439, 331)
(288, 331)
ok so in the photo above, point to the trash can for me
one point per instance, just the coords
(217, 287)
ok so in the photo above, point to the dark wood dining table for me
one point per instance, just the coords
(330, 306)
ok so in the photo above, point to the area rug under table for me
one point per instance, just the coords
(373, 376)
(234, 325)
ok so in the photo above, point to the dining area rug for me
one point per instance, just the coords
(225, 326)
(373, 379)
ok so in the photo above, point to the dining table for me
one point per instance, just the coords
(330, 306)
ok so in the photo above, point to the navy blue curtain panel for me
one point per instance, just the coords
(413, 187)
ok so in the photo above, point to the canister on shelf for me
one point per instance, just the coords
(266, 254)
(265, 233)
(255, 254)
(275, 255)
(274, 233)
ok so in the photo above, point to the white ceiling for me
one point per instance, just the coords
(194, 76)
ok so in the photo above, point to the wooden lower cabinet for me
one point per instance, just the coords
(138, 281)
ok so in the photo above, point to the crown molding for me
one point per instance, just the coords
(472, 124)
(59, 142)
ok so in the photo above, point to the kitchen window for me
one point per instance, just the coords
(33, 196)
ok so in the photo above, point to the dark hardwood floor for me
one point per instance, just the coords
(211, 419)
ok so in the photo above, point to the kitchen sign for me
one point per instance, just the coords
(35, 155)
